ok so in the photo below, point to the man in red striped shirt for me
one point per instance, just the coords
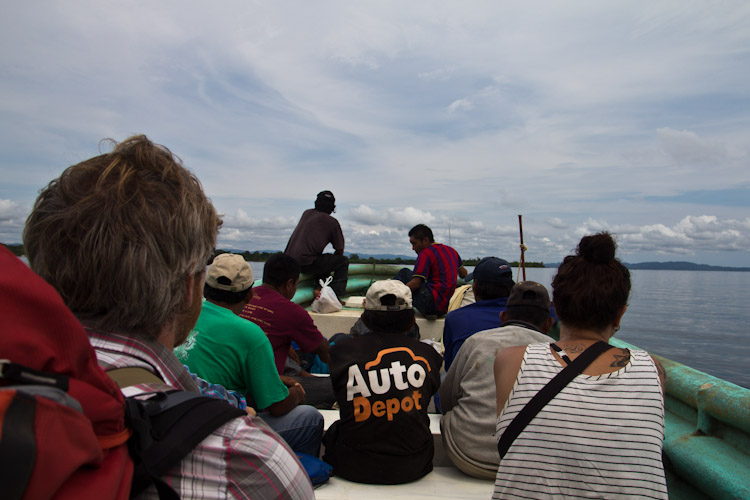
(433, 280)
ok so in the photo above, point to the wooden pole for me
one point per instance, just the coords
(523, 248)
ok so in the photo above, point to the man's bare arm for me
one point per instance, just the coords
(323, 351)
(414, 283)
(293, 355)
(295, 398)
(507, 364)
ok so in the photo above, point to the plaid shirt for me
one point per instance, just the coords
(217, 391)
(242, 459)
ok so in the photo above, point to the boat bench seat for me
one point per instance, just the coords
(330, 416)
(341, 321)
(444, 482)
(440, 458)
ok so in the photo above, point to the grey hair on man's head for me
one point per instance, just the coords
(117, 235)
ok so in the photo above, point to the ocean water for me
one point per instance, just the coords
(697, 318)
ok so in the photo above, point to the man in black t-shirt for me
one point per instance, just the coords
(383, 382)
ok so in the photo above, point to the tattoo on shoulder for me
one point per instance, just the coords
(621, 359)
(575, 348)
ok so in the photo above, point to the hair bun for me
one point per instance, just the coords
(598, 248)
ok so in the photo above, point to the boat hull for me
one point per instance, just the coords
(707, 419)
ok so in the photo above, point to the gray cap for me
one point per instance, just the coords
(529, 293)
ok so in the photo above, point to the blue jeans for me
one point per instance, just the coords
(422, 299)
(301, 428)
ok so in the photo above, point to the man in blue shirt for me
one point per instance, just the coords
(493, 279)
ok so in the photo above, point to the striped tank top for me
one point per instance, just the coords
(600, 437)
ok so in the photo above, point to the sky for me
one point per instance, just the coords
(582, 116)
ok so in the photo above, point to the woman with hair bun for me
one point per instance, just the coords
(601, 435)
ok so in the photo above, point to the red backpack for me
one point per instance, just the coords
(63, 432)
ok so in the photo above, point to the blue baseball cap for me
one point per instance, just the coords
(491, 270)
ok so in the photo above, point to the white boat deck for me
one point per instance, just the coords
(330, 416)
(341, 321)
(444, 482)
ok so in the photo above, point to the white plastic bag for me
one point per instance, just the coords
(327, 302)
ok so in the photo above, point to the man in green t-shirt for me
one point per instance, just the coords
(234, 352)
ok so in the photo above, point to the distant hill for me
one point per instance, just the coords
(261, 255)
(683, 266)
(675, 266)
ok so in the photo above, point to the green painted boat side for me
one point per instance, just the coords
(707, 419)
(707, 432)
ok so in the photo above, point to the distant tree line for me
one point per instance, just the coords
(257, 256)
(513, 263)
(16, 249)
(354, 258)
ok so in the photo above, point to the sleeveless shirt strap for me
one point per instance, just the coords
(547, 393)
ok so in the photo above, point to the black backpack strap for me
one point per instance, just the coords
(18, 446)
(166, 428)
(547, 393)
(21, 374)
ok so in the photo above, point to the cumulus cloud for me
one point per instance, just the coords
(473, 227)
(11, 210)
(12, 219)
(243, 221)
(366, 215)
(399, 217)
(557, 223)
(460, 105)
(687, 148)
(688, 236)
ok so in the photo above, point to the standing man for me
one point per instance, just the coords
(315, 230)
(124, 237)
(228, 350)
(433, 280)
(467, 393)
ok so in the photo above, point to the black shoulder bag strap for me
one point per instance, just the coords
(166, 428)
(547, 393)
